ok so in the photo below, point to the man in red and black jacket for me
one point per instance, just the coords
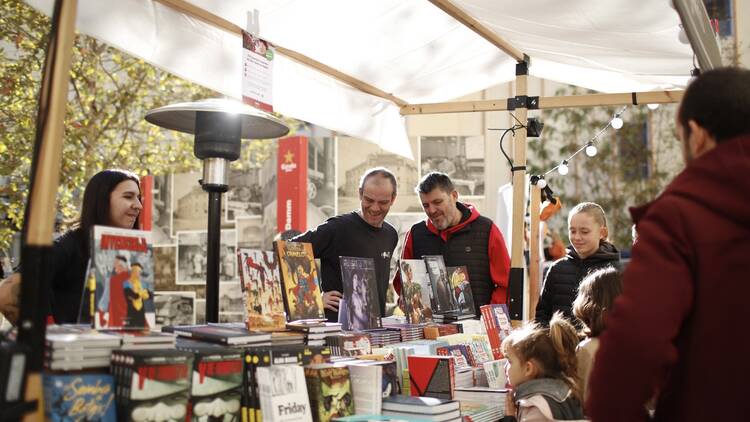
(456, 231)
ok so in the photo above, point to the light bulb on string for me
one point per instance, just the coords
(652, 106)
(541, 183)
(563, 168)
(591, 150)
(616, 122)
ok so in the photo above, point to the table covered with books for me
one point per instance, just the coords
(438, 362)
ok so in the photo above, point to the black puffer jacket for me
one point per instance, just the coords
(561, 284)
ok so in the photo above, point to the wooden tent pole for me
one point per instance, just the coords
(40, 209)
(590, 100)
(516, 279)
(534, 240)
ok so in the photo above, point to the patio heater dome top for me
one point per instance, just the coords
(181, 117)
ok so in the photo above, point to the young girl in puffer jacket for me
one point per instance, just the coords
(542, 369)
(589, 250)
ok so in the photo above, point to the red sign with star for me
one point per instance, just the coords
(291, 176)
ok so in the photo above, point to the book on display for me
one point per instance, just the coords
(261, 285)
(300, 282)
(360, 293)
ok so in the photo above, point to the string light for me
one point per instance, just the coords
(652, 106)
(591, 149)
(616, 122)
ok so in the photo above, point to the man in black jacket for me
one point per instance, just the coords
(362, 233)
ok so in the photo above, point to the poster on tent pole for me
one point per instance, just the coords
(257, 72)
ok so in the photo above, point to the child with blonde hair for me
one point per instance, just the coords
(596, 295)
(589, 250)
(542, 369)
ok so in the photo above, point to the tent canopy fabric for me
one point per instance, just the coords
(409, 48)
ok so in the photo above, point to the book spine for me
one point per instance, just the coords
(493, 334)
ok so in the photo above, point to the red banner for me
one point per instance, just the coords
(147, 200)
(291, 186)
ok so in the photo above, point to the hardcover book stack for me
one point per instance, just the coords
(349, 344)
(315, 332)
(152, 384)
(287, 338)
(78, 347)
(409, 332)
(229, 334)
(482, 411)
(433, 331)
(422, 408)
(143, 340)
(384, 336)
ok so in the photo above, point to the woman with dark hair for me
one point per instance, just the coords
(111, 198)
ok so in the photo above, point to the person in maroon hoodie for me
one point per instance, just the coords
(456, 231)
(676, 329)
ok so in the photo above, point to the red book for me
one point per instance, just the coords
(493, 333)
(432, 376)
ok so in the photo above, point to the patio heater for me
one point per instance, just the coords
(218, 126)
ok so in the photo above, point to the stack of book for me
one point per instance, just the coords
(349, 344)
(433, 331)
(423, 408)
(481, 394)
(315, 332)
(382, 337)
(143, 340)
(409, 332)
(150, 384)
(485, 411)
(287, 338)
(452, 316)
(78, 347)
(228, 334)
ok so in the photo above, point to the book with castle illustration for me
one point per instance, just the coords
(415, 291)
(360, 293)
(121, 278)
(261, 285)
(300, 283)
(442, 298)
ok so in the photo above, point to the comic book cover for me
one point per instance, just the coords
(360, 293)
(300, 284)
(442, 298)
(152, 384)
(77, 397)
(216, 387)
(461, 289)
(122, 266)
(415, 291)
(330, 392)
(261, 286)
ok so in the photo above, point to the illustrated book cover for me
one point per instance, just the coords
(300, 282)
(360, 293)
(261, 286)
(442, 298)
(415, 291)
(122, 266)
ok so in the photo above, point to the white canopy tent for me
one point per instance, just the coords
(409, 50)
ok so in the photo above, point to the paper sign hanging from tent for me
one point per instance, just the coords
(257, 72)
